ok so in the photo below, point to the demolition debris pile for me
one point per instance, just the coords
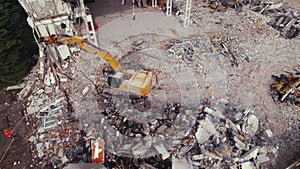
(55, 137)
(191, 50)
(219, 5)
(187, 49)
(128, 127)
(230, 139)
(283, 18)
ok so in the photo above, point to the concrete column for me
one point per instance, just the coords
(169, 7)
(187, 14)
(154, 3)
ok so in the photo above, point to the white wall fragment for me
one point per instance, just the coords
(51, 29)
(247, 165)
(262, 158)
(42, 31)
(64, 51)
(181, 163)
(162, 150)
(85, 91)
(205, 129)
(251, 125)
(214, 113)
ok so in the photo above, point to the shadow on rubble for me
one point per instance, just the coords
(113, 161)
(288, 152)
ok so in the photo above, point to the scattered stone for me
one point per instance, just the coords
(251, 125)
(269, 133)
(262, 158)
(247, 165)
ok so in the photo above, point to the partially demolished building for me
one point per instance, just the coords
(57, 17)
(55, 131)
(53, 17)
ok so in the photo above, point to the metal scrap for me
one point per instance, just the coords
(286, 87)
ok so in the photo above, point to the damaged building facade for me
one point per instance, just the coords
(55, 130)
(54, 17)
(57, 17)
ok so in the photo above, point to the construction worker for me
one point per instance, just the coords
(8, 133)
(162, 4)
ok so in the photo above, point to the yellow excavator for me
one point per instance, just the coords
(138, 83)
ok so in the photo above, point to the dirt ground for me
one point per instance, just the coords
(19, 153)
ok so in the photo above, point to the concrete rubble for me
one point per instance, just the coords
(228, 144)
(56, 138)
(282, 18)
(219, 5)
(216, 139)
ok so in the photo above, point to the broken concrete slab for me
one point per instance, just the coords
(198, 157)
(32, 139)
(183, 150)
(205, 129)
(251, 154)
(239, 143)
(161, 129)
(214, 113)
(139, 149)
(247, 165)
(250, 126)
(85, 91)
(262, 158)
(64, 52)
(181, 163)
(161, 149)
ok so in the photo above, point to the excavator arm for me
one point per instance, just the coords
(112, 60)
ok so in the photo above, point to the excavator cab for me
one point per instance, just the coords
(138, 84)
(115, 79)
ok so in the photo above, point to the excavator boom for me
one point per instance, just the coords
(113, 62)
